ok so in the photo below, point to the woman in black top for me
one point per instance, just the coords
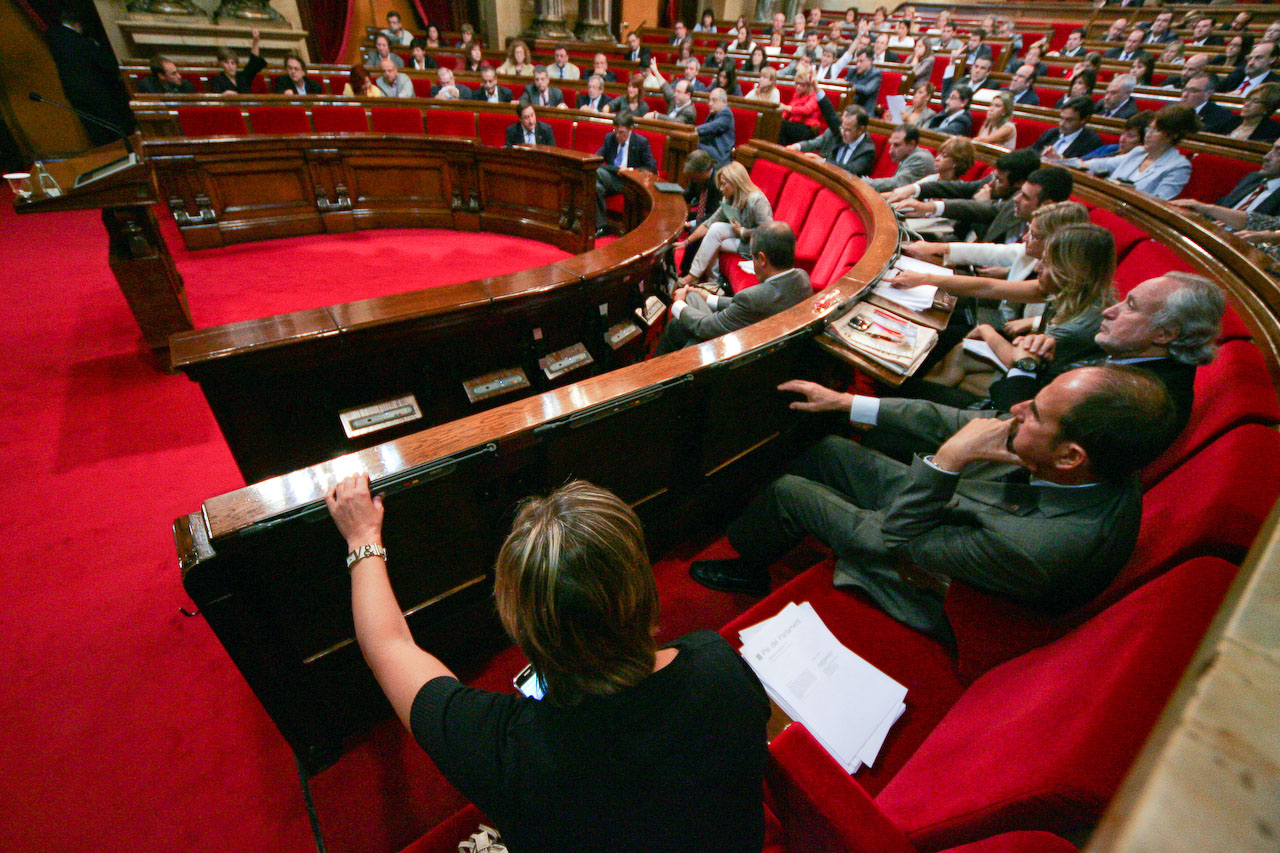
(633, 747)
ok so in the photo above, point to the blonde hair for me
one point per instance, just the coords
(960, 150)
(768, 78)
(735, 176)
(1081, 260)
(575, 591)
(1053, 216)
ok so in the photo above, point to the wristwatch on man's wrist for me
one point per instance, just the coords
(367, 550)
(1026, 363)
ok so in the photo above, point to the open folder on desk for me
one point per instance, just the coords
(895, 343)
(846, 703)
(919, 298)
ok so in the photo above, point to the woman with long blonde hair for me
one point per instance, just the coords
(743, 208)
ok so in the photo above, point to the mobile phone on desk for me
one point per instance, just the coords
(528, 683)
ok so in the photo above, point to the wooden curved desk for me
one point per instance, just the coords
(278, 385)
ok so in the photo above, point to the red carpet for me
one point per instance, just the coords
(128, 728)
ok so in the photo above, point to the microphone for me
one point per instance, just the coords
(40, 99)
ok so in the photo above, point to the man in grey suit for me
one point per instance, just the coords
(679, 102)
(1042, 508)
(913, 161)
(392, 83)
(845, 143)
(716, 134)
(540, 92)
(696, 318)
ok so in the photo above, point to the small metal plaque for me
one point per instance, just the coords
(621, 333)
(379, 416)
(494, 384)
(560, 362)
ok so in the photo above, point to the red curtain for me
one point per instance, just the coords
(331, 28)
(438, 12)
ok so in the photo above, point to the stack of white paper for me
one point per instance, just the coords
(916, 298)
(846, 703)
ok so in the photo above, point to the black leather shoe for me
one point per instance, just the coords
(730, 576)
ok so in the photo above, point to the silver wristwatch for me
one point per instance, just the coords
(363, 551)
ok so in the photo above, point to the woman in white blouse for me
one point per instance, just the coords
(767, 88)
(1156, 167)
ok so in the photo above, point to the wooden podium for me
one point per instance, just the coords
(137, 252)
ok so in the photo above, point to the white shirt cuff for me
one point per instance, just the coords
(928, 460)
(915, 191)
(1013, 371)
(713, 302)
(676, 308)
(939, 207)
(864, 410)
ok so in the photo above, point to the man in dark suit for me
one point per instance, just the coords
(1159, 31)
(864, 81)
(1022, 86)
(446, 87)
(636, 52)
(528, 130)
(1255, 71)
(1005, 220)
(1202, 34)
(970, 512)
(164, 79)
(1070, 138)
(1074, 46)
(600, 68)
(696, 317)
(979, 77)
(1118, 101)
(845, 143)
(956, 119)
(489, 90)
(1257, 192)
(679, 32)
(716, 134)
(703, 197)
(594, 98)
(540, 92)
(977, 47)
(233, 78)
(1197, 93)
(1131, 49)
(622, 149)
(90, 78)
(295, 80)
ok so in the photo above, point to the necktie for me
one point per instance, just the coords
(621, 159)
(543, 98)
(701, 207)
(843, 158)
(1245, 87)
(1244, 203)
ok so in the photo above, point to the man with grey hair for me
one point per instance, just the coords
(716, 134)
(393, 84)
(1166, 325)
(594, 98)
(1118, 101)
(446, 89)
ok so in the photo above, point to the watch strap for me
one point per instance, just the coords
(367, 550)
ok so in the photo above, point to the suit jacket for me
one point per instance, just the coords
(1211, 41)
(554, 96)
(1270, 204)
(716, 135)
(957, 125)
(954, 189)
(972, 56)
(1235, 80)
(584, 99)
(687, 114)
(515, 134)
(1028, 97)
(639, 154)
(866, 89)
(693, 193)
(402, 88)
(1086, 140)
(700, 322)
(1267, 131)
(91, 80)
(1126, 109)
(284, 86)
(640, 56)
(504, 94)
(153, 85)
(1118, 53)
(1216, 118)
(1004, 225)
(829, 145)
(916, 165)
(243, 83)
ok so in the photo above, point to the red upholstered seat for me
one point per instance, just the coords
(821, 807)
(769, 177)
(1233, 327)
(1145, 260)
(1213, 176)
(588, 136)
(1029, 129)
(796, 199)
(211, 121)
(658, 145)
(339, 119)
(1020, 750)
(421, 87)
(744, 124)
(259, 86)
(845, 246)
(701, 109)
(812, 239)
(279, 121)
(448, 60)
(940, 63)
(451, 123)
(979, 169)
(1126, 234)
(1234, 389)
(786, 91)
(922, 665)
(561, 129)
(395, 120)
(890, 84)
(492, 128)
(656, 103)
(334, 83)
(884, 166)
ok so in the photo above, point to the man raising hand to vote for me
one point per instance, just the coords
(1042, 508)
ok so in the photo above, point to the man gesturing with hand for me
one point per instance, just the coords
(1042, 507)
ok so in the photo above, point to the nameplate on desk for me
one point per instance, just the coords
(562, 361)
(494, 384)
(379, 416)
(652, 310)
(621, 333)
